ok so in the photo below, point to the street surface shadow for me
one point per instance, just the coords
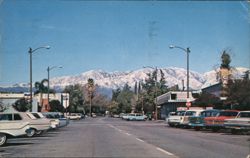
(17, 144)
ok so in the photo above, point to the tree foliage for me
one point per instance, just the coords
(2, 107)
(41, 87)
(225, 60)
(239, 94)
(208, 100)
(56, 106)
(22, 105)
(144, 94)
(76, 97)
(152, 88)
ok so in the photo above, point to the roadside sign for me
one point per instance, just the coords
(188, 104)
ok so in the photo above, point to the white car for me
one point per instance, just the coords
(240, 123)
(174, 118)
(136, 117)
(74, 116)
(37, 126)
(125, 116)
(12, 125)
(53, 123)
(57, 117)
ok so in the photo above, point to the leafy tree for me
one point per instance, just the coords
(76, 97)
(115, 94)
(239, 94)
(150, 90)
(124, 99)
(100, 103)
(208, 100)
(56, 106)
(22, 105)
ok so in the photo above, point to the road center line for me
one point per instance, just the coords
(164, 151)
(128, 134)
(140, 140)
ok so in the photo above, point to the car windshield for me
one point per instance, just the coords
(190, 113)
(244, 114)
(36, 115)
(227, 113)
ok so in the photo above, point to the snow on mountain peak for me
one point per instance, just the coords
(117, 79)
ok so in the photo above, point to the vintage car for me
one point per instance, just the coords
(57, 117)
(12, 125)
(197, 122)
(216, 123)
(174, 118)
(239, 124)
(53, 124)
(125, 116)
(136, 117)
(185, 119)
(37, 126)
(74, 116)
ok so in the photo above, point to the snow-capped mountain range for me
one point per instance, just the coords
(113, 80)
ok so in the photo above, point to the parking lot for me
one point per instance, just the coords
(113, 137)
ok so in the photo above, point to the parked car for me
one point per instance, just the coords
(125, 116)
(37, 126)
(240, 123)
(136, 117)
(185, 119)
(53, 123)
(197, 122)
(12, 125)
(216, 123)
(93, 115)
(57, 117)
(73, 116)
(174, 118)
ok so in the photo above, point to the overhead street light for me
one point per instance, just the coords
(48, 70)
(31, 51)
(187, 50)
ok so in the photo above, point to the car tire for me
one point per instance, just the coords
(3, 139)
(215, 129)
(31, 132)
(234, 131)
(197, 128)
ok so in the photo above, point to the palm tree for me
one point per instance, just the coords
(41, 88)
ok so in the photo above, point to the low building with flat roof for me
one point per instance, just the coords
(172, 100)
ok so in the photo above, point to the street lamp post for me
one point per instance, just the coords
(30, 52)
(48, 70)
(187, 52)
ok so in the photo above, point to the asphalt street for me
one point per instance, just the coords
(113, 137)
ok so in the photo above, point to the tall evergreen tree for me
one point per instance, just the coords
(225, 60)
(136, 89)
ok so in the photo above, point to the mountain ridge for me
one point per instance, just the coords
(117, 79)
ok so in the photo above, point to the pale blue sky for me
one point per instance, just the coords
(118, 35)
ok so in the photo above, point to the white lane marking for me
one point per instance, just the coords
(140, 140)
(115, 128)
(128, 134)
(164, 151)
